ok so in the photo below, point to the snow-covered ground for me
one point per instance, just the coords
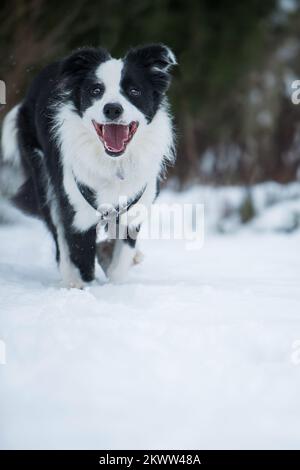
(199, 349)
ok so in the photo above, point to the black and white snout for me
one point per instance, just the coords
(112, 111)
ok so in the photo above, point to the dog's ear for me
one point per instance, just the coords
(157, 59)
(82, 59)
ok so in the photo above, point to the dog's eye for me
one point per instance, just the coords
(96, 90)
(134, 91)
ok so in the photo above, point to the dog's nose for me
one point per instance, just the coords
(112, 111)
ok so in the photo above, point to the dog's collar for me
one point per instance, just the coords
(90, 196)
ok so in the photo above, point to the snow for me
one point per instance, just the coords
(276, 207)
(198, 349)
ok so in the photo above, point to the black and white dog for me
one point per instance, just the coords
(91, 130)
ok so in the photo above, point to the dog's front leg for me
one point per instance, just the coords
(123, 258)
(76, 256)
(125, 253)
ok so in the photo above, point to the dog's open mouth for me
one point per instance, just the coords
(115, 137)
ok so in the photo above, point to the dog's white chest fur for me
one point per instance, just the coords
(85, 159)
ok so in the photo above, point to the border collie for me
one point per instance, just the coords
(91, 130)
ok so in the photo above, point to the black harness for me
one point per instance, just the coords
(90, 196)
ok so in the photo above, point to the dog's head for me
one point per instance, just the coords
(118, 98)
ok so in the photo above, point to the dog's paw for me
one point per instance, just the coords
(71, 278)
(73, 284)
(138, 257)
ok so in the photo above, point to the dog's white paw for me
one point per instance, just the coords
(138, 257)
(73, 284)
(71, 278)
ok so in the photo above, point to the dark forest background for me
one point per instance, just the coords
(231, 93)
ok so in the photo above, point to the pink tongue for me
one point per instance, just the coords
(114, 136)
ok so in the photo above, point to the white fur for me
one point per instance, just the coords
(9, 142)
(123, 258)
(171, 58)
(12, 174)
(70, 274)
